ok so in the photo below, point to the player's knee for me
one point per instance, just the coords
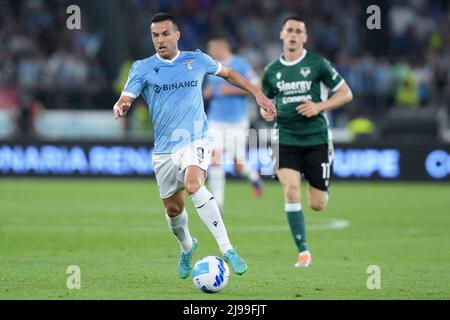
(317, 205)
(192, 186)
(292, 193)
(173, 209)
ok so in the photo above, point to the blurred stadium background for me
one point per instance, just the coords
(57, 89)
(58, 84)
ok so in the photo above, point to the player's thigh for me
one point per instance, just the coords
(174, 204)
(216, 157)
(216, 133)
(237, 141)
(290, 180)
(237, 145)
(166, 170)
(239, 159)
(316, 167)
(317, 170)
(231, 138)
(287, 160)
(194, 164)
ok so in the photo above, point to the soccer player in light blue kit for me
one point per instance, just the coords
(171, 83)
(228, 120)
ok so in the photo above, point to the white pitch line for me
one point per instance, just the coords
(329, 224)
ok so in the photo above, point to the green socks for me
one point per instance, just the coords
(297, 224)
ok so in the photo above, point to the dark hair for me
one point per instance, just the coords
(165, 16)
(293, 17)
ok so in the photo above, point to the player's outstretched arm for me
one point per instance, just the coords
(236, 79)
(227, 90)
(122, 106)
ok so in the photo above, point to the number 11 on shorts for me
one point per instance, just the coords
(326, 170)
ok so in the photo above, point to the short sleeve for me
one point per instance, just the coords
(267, 86)
(329, 76)
(212, 66)
(134, 84)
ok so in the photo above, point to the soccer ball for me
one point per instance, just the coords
(210, 274)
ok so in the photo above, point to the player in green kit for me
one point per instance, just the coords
(300, 81)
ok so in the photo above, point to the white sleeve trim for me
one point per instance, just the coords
(129, 94)
(338, 85)
(219, 68)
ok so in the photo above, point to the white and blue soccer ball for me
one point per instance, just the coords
(210, 274)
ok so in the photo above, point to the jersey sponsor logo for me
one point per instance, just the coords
(176, 85)
(294, 87)
(188, 64)
(305, 71)
(287, 100)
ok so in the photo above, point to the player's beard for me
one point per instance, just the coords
(166, 54)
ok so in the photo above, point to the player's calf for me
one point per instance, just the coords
(174, 205)
(291, 193)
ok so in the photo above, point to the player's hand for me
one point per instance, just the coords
(269, 117)
(265, 103)
(121, 109)
(308, 109)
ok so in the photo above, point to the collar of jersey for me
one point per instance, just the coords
(291, 63)
(169, 61)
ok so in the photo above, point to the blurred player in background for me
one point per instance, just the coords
(229, 120)
(300, 81)
(171, 83)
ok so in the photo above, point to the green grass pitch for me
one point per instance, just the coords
(115, 231)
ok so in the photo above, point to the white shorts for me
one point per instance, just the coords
(230, 137)
(170, 167)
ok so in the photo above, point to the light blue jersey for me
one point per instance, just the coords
(230, 109)
(173, 92)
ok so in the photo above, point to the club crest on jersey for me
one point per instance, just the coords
(305, 71)
(188, 64)
(278, 75)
